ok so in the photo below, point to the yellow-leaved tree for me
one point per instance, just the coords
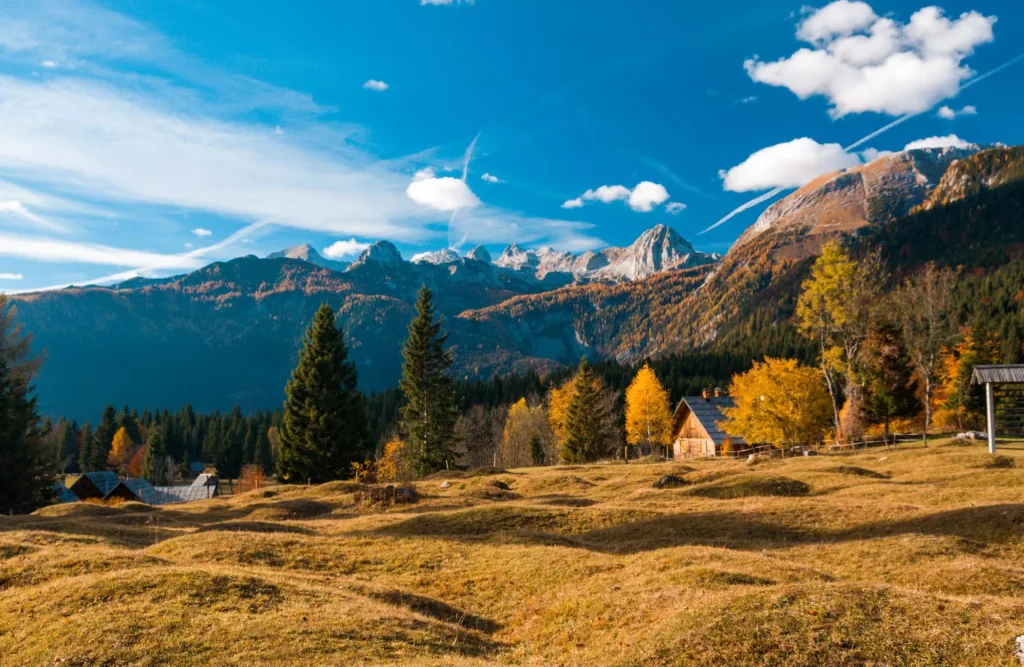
(779, 402)
(558, 408)
(648, 412)
(121, 451)
(525, 438)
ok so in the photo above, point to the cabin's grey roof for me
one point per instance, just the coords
(63, 494)
(708, 412)
(169, 495)
(999, 374)
(104, 480)
(141, 488)
(206, 480)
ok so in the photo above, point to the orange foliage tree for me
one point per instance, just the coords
(648, 413)
(121, 451)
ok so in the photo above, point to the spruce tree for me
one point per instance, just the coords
(102, 439)
(586, 420)
(85, 448)
(27, 473)
(430, 411)
(154, 463)
(126, 420)
(263, 457)
(229, 458)
(249, 452)
(67, 447)
(324, 430)
(212, 440)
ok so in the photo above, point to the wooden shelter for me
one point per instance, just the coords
(93, 485)
(137, 490)
(1010, 381)
(695, 429)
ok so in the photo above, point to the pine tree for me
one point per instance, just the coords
(212, 440)
(154, 464)
(324, 430)
(586, 421)
(430, 412)
(249, 452)
(27, 473)
(262, 456)
(229, 458)
(127, 421)
(85, 448)
(103, 439)
(67, 447)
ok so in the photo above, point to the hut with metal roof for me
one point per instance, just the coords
(695, 430)
(62, 494)
(207, 480)
(93, 485)
(172, 495)
(1010, 382)
(134, 489)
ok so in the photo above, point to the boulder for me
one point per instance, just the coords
(669, 482)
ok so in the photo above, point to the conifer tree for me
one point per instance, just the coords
(263, 457)
(85, 448)
(586, 422)
(212, 440)
(154, 464)
(324, 430)
(67, 447)
(249, 452)
(103, 439)
(229, 458)
(127, 421)
(430, 412)
(27, 473)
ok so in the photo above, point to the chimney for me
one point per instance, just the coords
(704, 393)
(718, 392)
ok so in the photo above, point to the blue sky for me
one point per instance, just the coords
(150, 138)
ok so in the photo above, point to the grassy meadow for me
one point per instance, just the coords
(912, 556)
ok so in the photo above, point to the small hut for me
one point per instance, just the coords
(1010, 381)
(62, 494)
(93, 485)
(136, 490)
(695, 430)
(206, 480)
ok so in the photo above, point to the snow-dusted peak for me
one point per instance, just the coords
(439, 257)
(382, 252)
(480, 254)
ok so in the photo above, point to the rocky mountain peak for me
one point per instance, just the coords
(307, 253)
(439, 257)
(480, 254)
(381, 252)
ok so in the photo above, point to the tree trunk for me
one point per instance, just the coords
(927, 408)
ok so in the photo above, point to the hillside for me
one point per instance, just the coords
(885, 557)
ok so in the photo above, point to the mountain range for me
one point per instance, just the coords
(228, 333)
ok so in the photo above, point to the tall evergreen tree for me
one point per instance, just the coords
(229, 458)
(103, 439)
(430, 411)
(249, 452)
(154, 463)
(85, 448)
(67, 447)
(586, 420)
(27, 473)
(263, 457)
(127, 421)
(212, 440)
(324, 430)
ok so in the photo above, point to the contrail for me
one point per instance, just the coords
(467, 158)
(863, 140)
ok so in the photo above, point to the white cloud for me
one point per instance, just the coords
(872, 154)
(57, 250)
(837, 19)
(643, 198)
(17, 209)
(675, 208)
(864, 63)
(188, 245)
(374, 84)
(949, 141)
(787, 165)
(48, 64)
(440, 3)
(11, 276)
(646, 196)
(749, 99)
(340, 249)
(490, 178)
(444, 193)
(199, 231)
(947, 113)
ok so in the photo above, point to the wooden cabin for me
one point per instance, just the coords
(93, 485)
(135, 490)
(695, 430)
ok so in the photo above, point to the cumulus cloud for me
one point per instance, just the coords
(375, 85)
(11, 276)
(872, 154)
(787, 165)
(444, 193)
(949, 141)
(861, 62)
(490, 178)
(643, 198)
(675, 208)
(947, 113)
(340, 249)
(199, 231)
(48, 64)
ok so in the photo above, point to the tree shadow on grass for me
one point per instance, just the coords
(432, 608)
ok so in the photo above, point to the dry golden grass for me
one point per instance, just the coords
(906, 557)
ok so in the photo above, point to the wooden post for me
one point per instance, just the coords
(990, 404)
